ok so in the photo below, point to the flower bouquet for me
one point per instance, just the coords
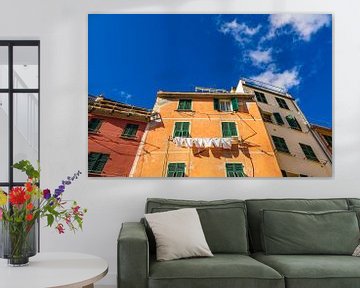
(21, 208)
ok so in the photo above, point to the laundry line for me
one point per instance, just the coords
(187, 142)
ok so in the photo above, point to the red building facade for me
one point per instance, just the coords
(115, 131)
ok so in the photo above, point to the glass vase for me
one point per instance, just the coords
(18, 242)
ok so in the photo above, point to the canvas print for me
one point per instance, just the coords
(246, 95)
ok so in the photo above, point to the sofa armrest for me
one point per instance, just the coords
(133, 256)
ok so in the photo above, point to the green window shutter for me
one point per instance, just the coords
(96, 162)
(130, 130)
(176, 170)
(228, 129)
(280, 144)
(99, 166)
(309, 152)
(216, 104)
(235, 104)
(293, 123)
(92, 158)
(225, 129)
(184, 104)
(94, 124)
(233, 129)
(235, 170)
(278, 118)
(185, 129)
(181, 129)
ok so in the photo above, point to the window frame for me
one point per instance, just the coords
(222, 129)
(292, 120)
(279, 120)
(10, 91)
(287, 151)
(184, 109)
(182, 131)
(265, 114)
(227, 171)
(96, 129)
(102, 169)
(124, 135)
(260, 97)
(228, 101)
(309, 150)
(282, 103)
(176, 170)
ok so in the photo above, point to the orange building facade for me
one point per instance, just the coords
(206, 134)
(115, 131)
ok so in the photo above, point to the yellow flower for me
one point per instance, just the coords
(3, 198)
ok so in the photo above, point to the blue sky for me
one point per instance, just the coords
(131, 57)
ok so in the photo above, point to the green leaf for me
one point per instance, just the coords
(50, 219)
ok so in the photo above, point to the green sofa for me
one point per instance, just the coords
(233, 230)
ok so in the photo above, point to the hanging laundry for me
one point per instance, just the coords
(224, 143)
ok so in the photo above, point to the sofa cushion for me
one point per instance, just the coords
(255, 206)
(178, 234)
(222, 270)
(314, 271)
(353, 201)
(223, 221)
(297, 232)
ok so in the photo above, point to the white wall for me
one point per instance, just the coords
(61, 25)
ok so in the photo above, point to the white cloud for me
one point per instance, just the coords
(125, 96)
(286, 79)
(305, 25)
(239, 31)
(259, 57)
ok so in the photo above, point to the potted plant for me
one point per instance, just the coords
(21, 209)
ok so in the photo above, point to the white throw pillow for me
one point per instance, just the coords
(178, 234)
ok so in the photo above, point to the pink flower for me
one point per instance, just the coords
(60, 228)
(1, 213)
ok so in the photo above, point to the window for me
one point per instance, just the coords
(184, 104)
(328, 140)
(278, 118)
(293, 123)
(176, 170)
(19, 108)
(181, 129)
(280, 144)
(260, 97)
(96, 162)
(228, 129)
(235, 170)
(282, 103)
(130, 130)
(94, 124)
(226, 105)
(266, 116)
(309, 152)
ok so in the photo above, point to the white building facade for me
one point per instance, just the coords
(298, 151)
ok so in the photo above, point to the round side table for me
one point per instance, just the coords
(50, 270)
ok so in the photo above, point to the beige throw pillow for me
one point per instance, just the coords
(178, 234)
